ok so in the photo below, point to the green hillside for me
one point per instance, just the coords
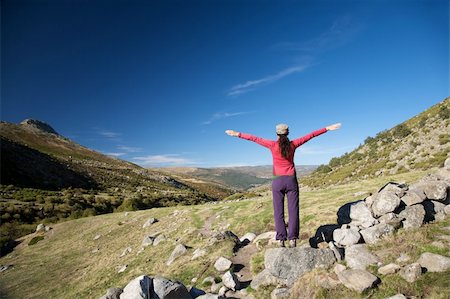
(416, 144)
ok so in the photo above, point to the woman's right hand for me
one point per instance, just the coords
(333, 127)
(232, 133)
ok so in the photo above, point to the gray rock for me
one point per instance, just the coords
(291, 263)
(389, 269)
(414, 196)
(338, 251)
(138, 288)
(361, 215)
(215, 287)
(397, 188)
(434, 262)
(411, 272)
(230, 281)
(265, 236)
(222, 291)
(122, 268)
(391, 219)
(280, 293)
(126, 251)
(358, 280)
(338, 268)
(112, 293)
(208, 296)
(346, 237)
(179, 250)
(373, 234)
(438, 244)
(447, 209)
(40, 227)
(359, 257)
(447, 164)
(413, 215)
(264, 278)
(149, 222)
(148, 240)
(199, 252)
(164, 288)
(222, 264)
(97, 237)
(435, 190)
(326, 281)
(158, 239)
(248, 236)
(369, 201)
(385, 202)
(398, 296)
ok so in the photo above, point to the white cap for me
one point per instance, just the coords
(282, 129)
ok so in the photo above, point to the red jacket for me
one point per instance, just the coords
(281, 165)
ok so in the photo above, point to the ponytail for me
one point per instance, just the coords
(285, 145)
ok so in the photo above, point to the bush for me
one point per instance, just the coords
(323, 169)
(444, 112)
(35, 240)
(401, 131)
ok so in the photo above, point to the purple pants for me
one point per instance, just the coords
(281, 186)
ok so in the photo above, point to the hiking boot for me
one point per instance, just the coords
(281, 243)
(292, 243)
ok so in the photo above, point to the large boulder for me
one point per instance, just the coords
(391, 219)
(290, 264)
(179, 250)
(434, 262)
(375, 233)
(435, 190)
(346, 237)
(164, 288)
(413, 216)
(359, 257)
(397, 188)
(138, 288)
(357, 279)
(384, 202)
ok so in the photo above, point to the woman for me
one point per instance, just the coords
(285, 178)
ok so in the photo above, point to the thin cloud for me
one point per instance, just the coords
(252, 84)
(114, 154)
(221, 115)
(109, 134)
(129, 149)
(168, 159)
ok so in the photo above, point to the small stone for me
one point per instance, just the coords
(178, 251)
(3, 268)
(248, 236)
(148, 240)
(358, 280)
(389, 269)
(222, 291)
(40, 227)
(126, 251)
(398, 296)
(411, 273)
(158, 239)
(403, 258)
(222, 264)
(199, 252)
(230, 281)
(97, 237)
(149, 222)
(122, 268)
(265, 236)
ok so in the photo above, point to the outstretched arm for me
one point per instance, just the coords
(304, 139)
(260, 141)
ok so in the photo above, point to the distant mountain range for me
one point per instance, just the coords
(419, 143)
(238, 178)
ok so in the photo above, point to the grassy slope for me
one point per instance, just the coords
(63, 265)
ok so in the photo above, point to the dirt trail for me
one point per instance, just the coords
(241, 260)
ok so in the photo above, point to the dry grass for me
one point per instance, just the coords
(64, 266)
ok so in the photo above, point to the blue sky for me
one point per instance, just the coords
(158, 82)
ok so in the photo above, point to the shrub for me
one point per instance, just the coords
(444, 112)
(401, 131)
(35, 240)
(323, 169)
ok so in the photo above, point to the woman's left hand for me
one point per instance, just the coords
(232, 133)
